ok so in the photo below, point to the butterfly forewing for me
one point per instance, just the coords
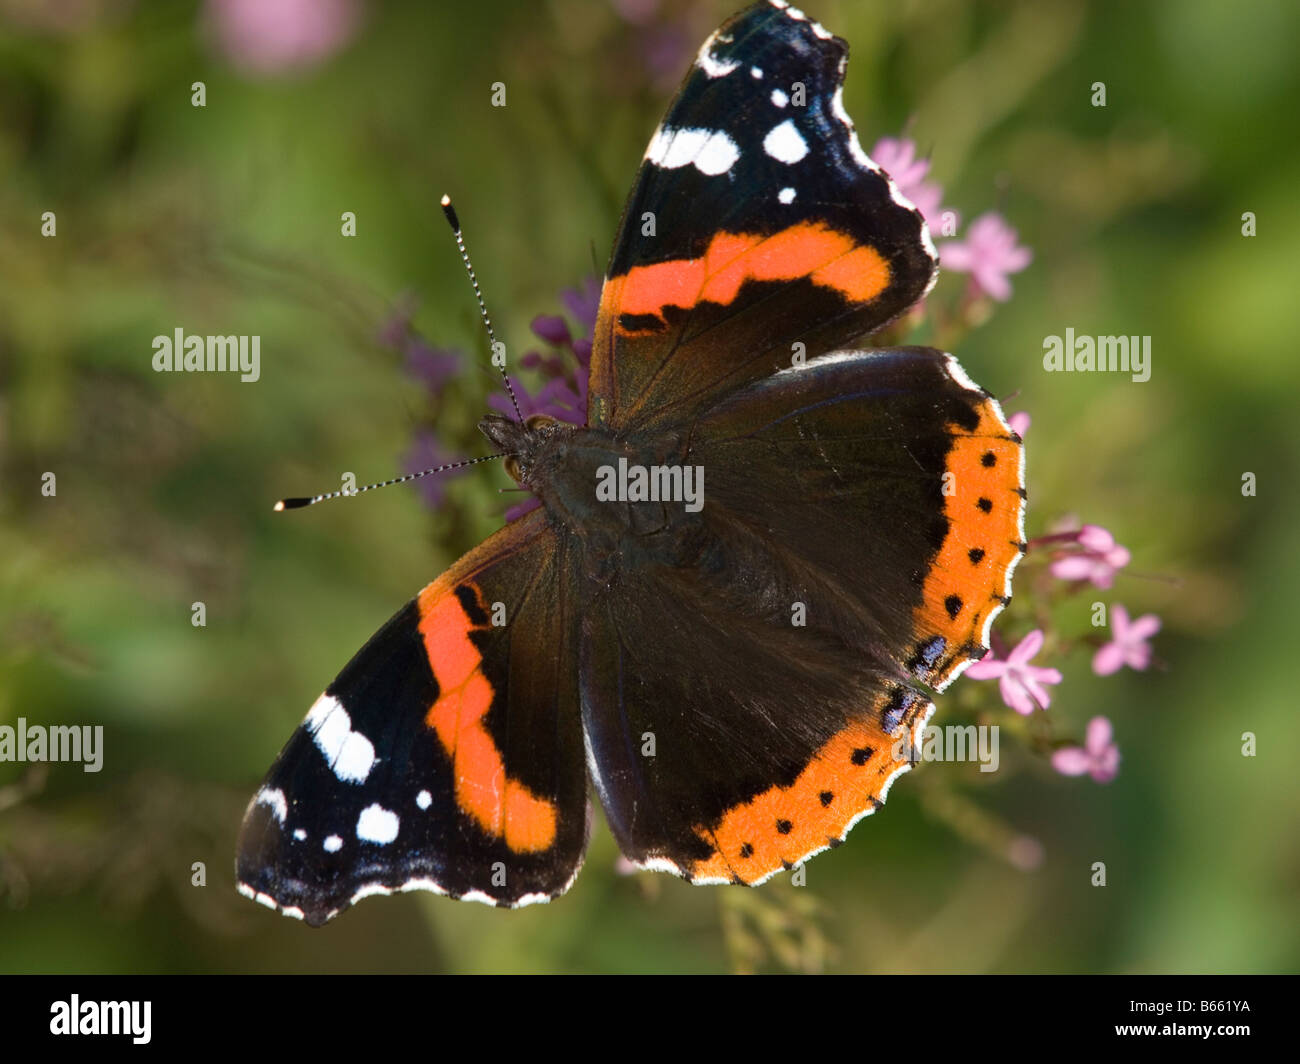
(757, 229)
(446, 756)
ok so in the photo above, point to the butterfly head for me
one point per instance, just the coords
(521, 442)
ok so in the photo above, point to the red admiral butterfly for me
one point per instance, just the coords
(733, 677)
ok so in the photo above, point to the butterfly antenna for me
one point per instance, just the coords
(298, 504)
(454, 222)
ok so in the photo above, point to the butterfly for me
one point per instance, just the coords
(750, 570)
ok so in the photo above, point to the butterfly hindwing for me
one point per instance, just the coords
(776, 677)
(756, 224)
(446, 756)
(901, 485)
(726, 744)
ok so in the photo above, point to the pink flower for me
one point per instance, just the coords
(897, 157)
(1019, 423)
(988, 254)
(1128, 645)
(1099, 756)
(1097, 563)
(274, 36)
(1020, 683)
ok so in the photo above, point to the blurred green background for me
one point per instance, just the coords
(226, 219)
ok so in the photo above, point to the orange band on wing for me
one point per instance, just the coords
(983, 504)
(811, 249)
(503, 807)
(783, 825)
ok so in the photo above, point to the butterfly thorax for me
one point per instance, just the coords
(631, 500)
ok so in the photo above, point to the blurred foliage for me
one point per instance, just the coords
(225, 219)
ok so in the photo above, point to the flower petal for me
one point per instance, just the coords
(1071, 761)
(1108, 660)
(1095, 538)
(1144, 627)
(1014, 694)
(1073, 567)
(1098, 736)
(1106, 767)
(1119, 623)
(1026, 648)
(988, 668)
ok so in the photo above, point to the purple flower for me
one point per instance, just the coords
(1099, 756)
(274, 36)
(563, 391)
(897, 157)
(557, 398)
(1128, 645)
(517, 511)
(432, 365)
(552, 328)
(1098, 561)
(1019, 423)
(428, 453)
(988, 254)
(1020, 683)
(583, 304)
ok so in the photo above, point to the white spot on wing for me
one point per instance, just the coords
(755, 72)
(786, 195)
(377, 824)
(349, 753)
(779, 98)
(299, 834)
(712, 152)
(424, 799)
(333, 844)
(785, 144)
(273, 799)
(799, 16)
(711, 64)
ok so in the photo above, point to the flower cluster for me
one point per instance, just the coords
(989, 251)
(1084, 557)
